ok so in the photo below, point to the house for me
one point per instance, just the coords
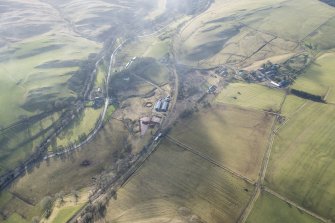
(98, 102)
(211, 89)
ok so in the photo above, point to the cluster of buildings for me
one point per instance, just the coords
(162, 105)
(267, 73)
(97, 98)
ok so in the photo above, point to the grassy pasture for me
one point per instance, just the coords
(294, 24)
(292, 105)
(101, 77)
(150, 46)
(64, 174)
(269, 209)
(176, 184)
(25, 79)
(244, 32)
(158, 49)
(319, 79)
(15, 218)
(251, 96)
(321, 38)
(302, 164)
(20, 142)
(62, 212)
(19, 211)
(84, 125)
(66, 213)
(141, 78)
(234, 137)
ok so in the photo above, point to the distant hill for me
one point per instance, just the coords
(329, 2)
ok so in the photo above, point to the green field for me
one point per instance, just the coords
(292, 105)
(101, 77)
(65, 174)
(251, 96)
(302, 161)
(269, 209)
(319, 79)
(65, 214)
(176, 184)
(30, 76)
(233, 137)
(320, 39)
(19, 142)
(244, 32)
(16, 210)
(83, 126)
(15, 218)
(139, 79)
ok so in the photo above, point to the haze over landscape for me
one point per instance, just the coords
(167, 111)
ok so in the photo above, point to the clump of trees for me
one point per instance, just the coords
(75, 195)
(94, 211)
(186, 113)
(143, 67)
(77, 81)
(306, 95)
(47, 204)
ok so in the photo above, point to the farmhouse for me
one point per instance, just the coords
(211, 89)
(98, 102)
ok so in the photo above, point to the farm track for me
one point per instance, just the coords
(244, 216)
(102, 116)
(147, 81)
(295, 205)
(248, 108)
(260, 184)
(71, 26)
(268, 33)
(317, 28)
(259, 49)
(203, 156)
(152, 148)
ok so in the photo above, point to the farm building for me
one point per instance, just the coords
(98, 102)
(211, 89)
(162, 105)
(158, 105)
(275, 84)
(165, 106)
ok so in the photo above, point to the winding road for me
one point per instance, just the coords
(103, 114)
(92, 134)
